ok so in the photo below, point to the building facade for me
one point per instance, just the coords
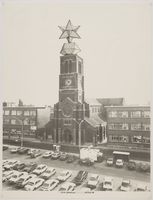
(128, 125)
(18, 118)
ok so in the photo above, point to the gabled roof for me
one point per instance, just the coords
(111, 101)
(95, 121)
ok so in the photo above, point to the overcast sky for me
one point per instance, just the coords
(115, 45)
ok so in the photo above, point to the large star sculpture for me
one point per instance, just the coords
(69, 32)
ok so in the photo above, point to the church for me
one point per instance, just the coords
(75, 121)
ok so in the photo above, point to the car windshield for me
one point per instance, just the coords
(110, 159)
(14, 176)
(46, 185)
(62, 174)
(39, 168)
(125, 184)
(93, 178)
(31, 183)
(107, 183)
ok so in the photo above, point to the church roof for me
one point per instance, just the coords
(95, 120)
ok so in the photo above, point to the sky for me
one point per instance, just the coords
(115, 46)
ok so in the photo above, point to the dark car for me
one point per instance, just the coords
(81, 176)
(63, 157)
(19, 166)
(131, 165)
(143, 167)
(35, 154)
(56, 155)
(23, 150)
(30, 167)
(5, 147)
(70, 159)
(86, 162)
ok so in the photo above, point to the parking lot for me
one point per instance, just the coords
(99, 168)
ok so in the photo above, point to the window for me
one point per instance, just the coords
(13, 121)
(136, 114)
(79, 67)
(145, 140)
(135, 127)
(118, 126)
(6, 121)
(13, 112)
(26, 121)
(67, 121)
(32, 122)
(33, 112)
(146, 114)
(26, 113)
(123, 114)
(19, 112)
(146, 127)
(112, 114)
(121, 139)
(7, 112)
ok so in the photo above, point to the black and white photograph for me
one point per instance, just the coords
(76, 98)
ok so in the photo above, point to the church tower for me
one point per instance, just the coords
(69, 112)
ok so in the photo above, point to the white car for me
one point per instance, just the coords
(108, 184)
(49, 185)
(119, 163)
(125, 185)
(93, 181)
(14, 149)
(141, 187)
(48, 173)
(30, 151)
(64, 175)
(16, 176)
(40, 169)
(24, 180)
(33, 184)
(5, 162)
(67, 187)
(47, 154)
(7, 175)
(109, 162)
(11, 164)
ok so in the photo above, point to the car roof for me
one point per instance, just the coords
(106, 178)
(94, 175)
(126, 180)
(52, 180)
(119, 160)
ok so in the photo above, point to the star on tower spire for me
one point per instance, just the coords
(69, 32)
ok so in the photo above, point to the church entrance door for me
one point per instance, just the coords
(67, 137)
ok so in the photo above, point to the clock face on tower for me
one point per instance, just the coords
(67, 110)
(68, 82)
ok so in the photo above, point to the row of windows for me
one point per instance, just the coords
(95, 109)
(134, 139)
(17, 122)
(70, 67)
(126, 114)
(137, 127)
(19, 112)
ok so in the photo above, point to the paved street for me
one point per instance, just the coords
(99, 168)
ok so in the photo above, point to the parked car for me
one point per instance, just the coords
(47, 154)
(64, 175)
(14, 149)
(35, 154)
(93, 181)
(86, 162)
(7, 175)
(141, 187)
(55, 155)
(16, 176)
(40, 169)
(49, 185)
(48, 173)
(24, 180)
(119, 163)
(63, 156)
(19, 166)
(125, 185)
(30, 167)
(109, 162)
(81, 176)
(23, 150)
(71, 159)
(31, 151)
(131, 165)
(10, 164)
(5, 147)
(108, 184)
(67, 187)
(33, 184)
(5, 162)
(144, 167)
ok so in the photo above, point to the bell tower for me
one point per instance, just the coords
(69, 112)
